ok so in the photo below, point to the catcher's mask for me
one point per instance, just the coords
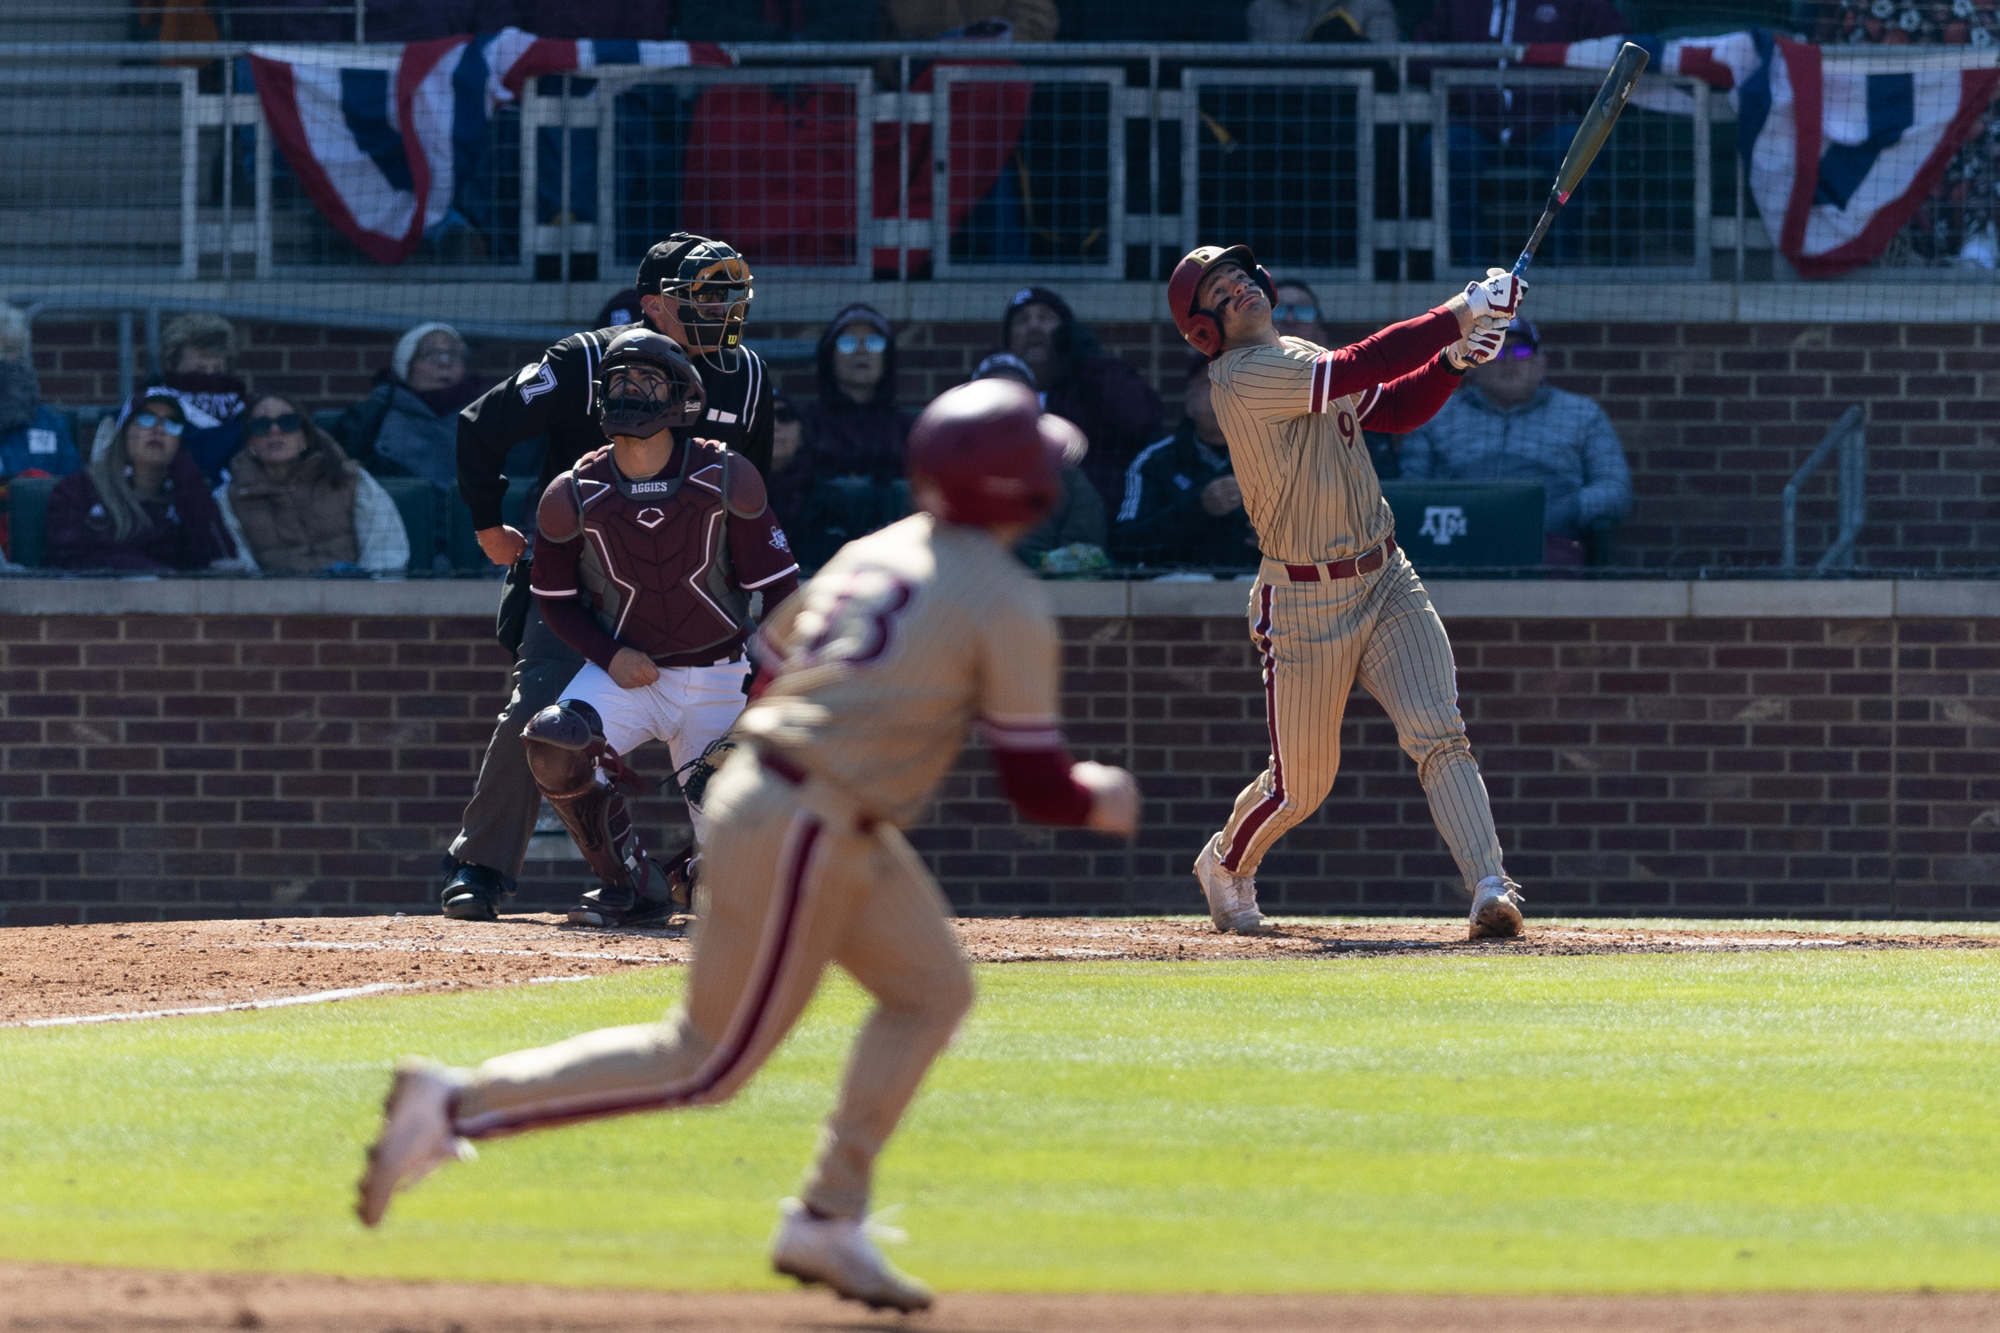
(709, 284)
(646, 384)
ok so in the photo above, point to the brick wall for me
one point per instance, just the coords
(161, 766)
(1715, 417)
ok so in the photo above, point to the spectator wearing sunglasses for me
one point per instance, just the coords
(1505, 424)
(301, 506)
(856, 429)
(141, 505)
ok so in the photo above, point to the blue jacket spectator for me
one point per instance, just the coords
(32, 438)
(1182, 505)
(1505, 424)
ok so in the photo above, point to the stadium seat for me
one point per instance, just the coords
(465, 552)
(1460, 524)
(27, 518)
(416, 502)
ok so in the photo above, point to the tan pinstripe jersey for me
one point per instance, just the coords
(1297, 452)
(893, 650)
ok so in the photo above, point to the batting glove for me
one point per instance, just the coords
(1497, 298)
(1114, 797)
(1477, 347)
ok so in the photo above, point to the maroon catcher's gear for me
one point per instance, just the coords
(585, 781)
(1201, 328)
(645, 384)
(991, 453)
(665, 566)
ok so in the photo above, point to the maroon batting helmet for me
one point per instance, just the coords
(1200, 327)
(991, 453)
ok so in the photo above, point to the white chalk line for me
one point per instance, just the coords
(316, 997)
(376, 946)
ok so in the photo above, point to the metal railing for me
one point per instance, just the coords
(1850, 437)
(1340, 164)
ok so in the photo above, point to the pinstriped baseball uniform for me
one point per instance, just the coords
(904, 640)
(1293, 415)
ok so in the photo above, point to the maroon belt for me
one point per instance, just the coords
(790, 772)
(1336, 570)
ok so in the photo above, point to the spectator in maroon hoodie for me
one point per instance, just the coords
(141, 505)
(1484, 124)
(1115, 408)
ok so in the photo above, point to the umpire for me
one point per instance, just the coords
(696, 291)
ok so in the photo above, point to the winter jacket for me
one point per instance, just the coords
(1161, 521)
(1109, 401)
(926, 20)
(1523, 113)
(844, 438)
(31, 436)
(383, 21)
(1562, 440)
(187, 531)
(397, 431)
(1078, 518)
(299, 524)
(1282, 21)
(631, 20)
(1151, 21)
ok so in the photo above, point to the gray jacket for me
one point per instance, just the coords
(1562, 440)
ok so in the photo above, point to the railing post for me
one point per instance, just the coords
(127, 371)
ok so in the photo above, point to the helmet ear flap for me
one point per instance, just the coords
(1268, 283)
(1204, 334)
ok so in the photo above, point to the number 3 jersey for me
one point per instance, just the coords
(894, 650)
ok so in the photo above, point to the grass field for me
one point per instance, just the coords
(1493, 1123)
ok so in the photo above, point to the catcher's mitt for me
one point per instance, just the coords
(694, 774)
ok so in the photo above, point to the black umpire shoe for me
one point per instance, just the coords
(473, 892)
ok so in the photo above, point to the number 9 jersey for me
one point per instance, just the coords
(905, 640)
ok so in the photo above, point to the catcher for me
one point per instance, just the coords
(876, 670)
(649, 551)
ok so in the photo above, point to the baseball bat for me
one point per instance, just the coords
(1612, 95)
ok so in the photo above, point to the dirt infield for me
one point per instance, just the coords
(50, 1299)
(70, 972)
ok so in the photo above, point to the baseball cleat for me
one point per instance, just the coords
(473, 892)
(1232, 899)
(619, 907)
(837, 1253)
(416, 1135)
(1496, 909)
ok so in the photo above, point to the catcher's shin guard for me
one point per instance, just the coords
(582, 776)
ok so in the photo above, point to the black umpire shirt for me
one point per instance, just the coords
(555, 396)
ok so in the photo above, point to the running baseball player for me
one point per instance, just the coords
(697, 292)
(871, 677)
(1335, 601)
(648, 552)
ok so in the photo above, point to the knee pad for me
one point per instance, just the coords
(564, 741)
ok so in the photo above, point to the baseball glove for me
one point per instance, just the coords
(694, 774)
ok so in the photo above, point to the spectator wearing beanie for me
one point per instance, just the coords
(141, 505)
(198, 363)
(408, 425)
(1117, 411)
(301, 506)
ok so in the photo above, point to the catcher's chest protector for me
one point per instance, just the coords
(655, 561)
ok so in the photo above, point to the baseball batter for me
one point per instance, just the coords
(1335, 601)
(876, 669)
